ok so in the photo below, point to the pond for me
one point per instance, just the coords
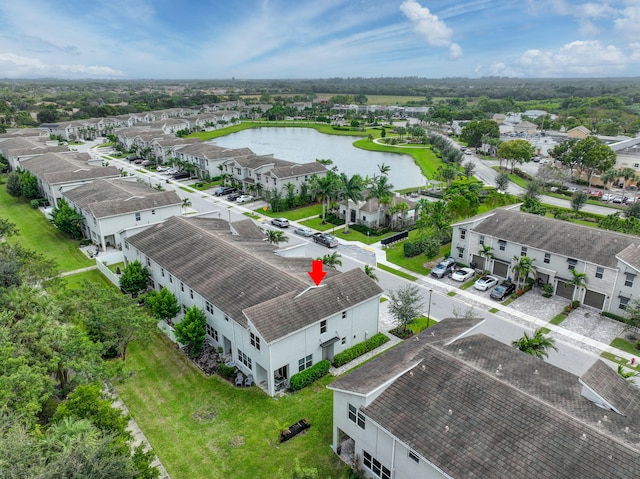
(303, 145)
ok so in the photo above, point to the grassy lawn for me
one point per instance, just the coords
(395, 255)
(397, 272)
(420, 323)
(38, 234)
(75, 281)
(558, 319)
(166, 391)
(354, 235)
(494, 310)
(295, 214)
(316, 224)
(624, 345)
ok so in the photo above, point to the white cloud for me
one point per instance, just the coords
(499, 69)
(589, 58)
(430, 27)
(627, 25)
(17, 66)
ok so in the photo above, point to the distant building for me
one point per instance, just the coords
(580, 132)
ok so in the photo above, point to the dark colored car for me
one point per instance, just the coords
(233, 196)
(325, 240)
(224, 190)
(180, 175)
(503, 290)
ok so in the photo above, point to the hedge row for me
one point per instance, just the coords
(306, 377)
(359, 349)
(422, 244)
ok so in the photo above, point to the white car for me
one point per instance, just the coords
(486, 282)
(303, 231)
(244, 199)
(463, 274)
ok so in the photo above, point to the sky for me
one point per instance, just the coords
(297, 39)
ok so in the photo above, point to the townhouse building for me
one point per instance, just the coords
(609, 260)
(262, 309)
(111, 207)
(455, 403)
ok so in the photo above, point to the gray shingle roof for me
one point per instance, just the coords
(232, 272)
(295, 169)
(292, 311)
(477, 408)
(613, 388)
(593, 245)
(111, 198)
(631, 255)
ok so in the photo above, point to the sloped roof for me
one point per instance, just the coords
(612, 387)
(593, 245)
(230, 272)
(111, 198)
(480, 408)
(294, 169)
(292, 311)
(631, 255)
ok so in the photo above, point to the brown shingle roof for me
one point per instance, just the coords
(477, 408)
(589, 244)
(292, 311)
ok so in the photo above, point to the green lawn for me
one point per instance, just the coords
(37, 233)
(295, 214)
(397, 272)
(75, 281)
(241, 440)
(395, 255)
(558, 319)
(316, 224)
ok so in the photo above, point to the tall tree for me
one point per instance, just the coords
(578, 200)
(350, 190)
(522, 267)
(67, 220)
(134, 278)
(382, 190)
(163, 304)
(13, 184)
(475, 130)
(537, 345)
(578, 280)
(593, 156)
(516, 151)
(405, 304)
(191, 331)
(276, 237)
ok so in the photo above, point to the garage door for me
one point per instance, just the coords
(564, 291)
(500, 269)
(593, 299)
(478, 261)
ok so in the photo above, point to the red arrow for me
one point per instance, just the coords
(316, 272)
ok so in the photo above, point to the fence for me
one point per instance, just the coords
(395, 238)
(102, 263)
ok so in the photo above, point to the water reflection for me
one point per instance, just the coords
(303, 145)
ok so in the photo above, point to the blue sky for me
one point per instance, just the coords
(252, 39)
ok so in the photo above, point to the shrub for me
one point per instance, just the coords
(226, 371)
(359, 349)
(613, 316)
(34, 204)
(548, 290)
(306, 377)
(575, 304)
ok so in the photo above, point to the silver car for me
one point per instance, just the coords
(303, 231)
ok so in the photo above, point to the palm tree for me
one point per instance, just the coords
(384, 169)
(186, 203)
(523, 266)
(578, 280)
(608, 177)
(331, 260)
(382, 191)
(350, 190)
(486, 252)
(322, 189)
(370, 271)
(536, 345)
(276, 237)
(629, 174)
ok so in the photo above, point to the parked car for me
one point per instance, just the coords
(224, 190)
(503, 290)
(244, 199)
(463, 274)
(572, 189)
(160, 169)
(486, 282)
(138, 161)
(146, 163)
(281, 222)
(443, 268)
(607, 197)
(618, 199)
(171, 171)
(233, 196)
(325, 240)
(180, 175)
(303, 231)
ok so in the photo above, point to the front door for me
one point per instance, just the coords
(327, 353)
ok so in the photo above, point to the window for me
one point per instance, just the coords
(137, 216)
(374, 466)
(547, 258)
(344, 340)
(148, 261)
(623, 302)
(255, 341)
(212, 332)
(170, 279)
(572, 263)
(226, 318)
(481, 239)
(184, 309)
(162, 272)
(599, 272)
(181, 286)
(305, 363)
(208, 307)
(356, 416)
(244, 359)
(460, 252)
(636, 165)
(413, 456)
(344, 315)
(323, 326)
(153, 212)
(463, 234)
(523, 251)
(126, 245)
(502, 245)
(629, 279)
(191, 293)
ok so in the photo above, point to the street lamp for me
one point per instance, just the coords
(429, 309)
